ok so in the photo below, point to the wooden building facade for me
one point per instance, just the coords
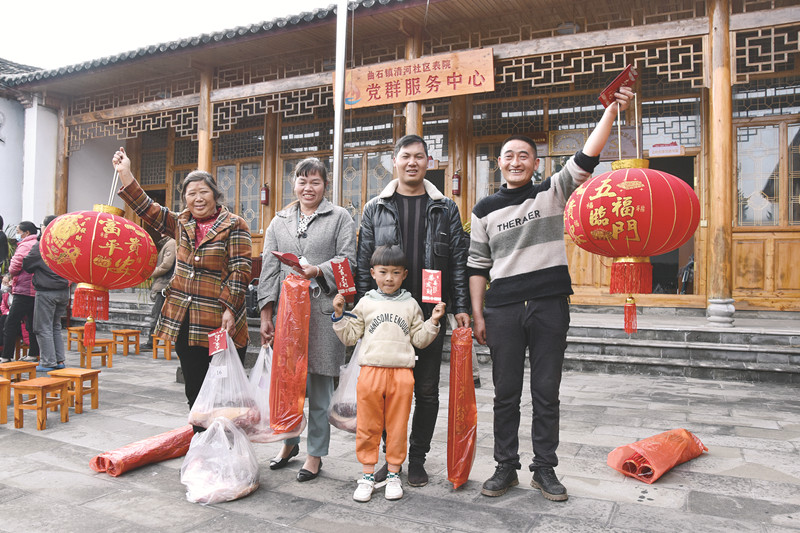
(718, 92)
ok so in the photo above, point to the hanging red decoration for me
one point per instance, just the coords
(99, 250)
(630, 214)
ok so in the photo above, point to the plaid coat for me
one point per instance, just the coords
(209, 276)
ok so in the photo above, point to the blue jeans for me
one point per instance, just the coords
(49, 307)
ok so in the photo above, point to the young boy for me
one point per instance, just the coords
(391, 323)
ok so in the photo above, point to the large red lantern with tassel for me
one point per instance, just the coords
(630, 214)
(99, 250)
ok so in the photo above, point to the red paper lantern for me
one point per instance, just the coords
(631, 213)
(99, 250)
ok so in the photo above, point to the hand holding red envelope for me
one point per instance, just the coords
(625, 79)
(288, 259)
(344, 279)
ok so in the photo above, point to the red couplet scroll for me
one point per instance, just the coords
(649, 459)
(462, 416)
(155, 449)
(287, 392)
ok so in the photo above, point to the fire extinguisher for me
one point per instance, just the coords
(265, 195)
(457, 183)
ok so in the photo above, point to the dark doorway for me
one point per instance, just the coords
(437, 178)
(673, 272)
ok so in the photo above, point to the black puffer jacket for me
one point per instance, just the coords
(446, 244)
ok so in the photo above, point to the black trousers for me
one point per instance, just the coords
(426, 397)
(541, 326)
(21, 310)
(194, 362)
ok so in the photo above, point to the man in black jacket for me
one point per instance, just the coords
(52, 297)
(412, 213)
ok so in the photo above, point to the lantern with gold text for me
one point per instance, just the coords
(631, 213)
(99, 250)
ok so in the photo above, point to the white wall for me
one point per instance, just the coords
(39, 162)
(12, 133)
(91, 174)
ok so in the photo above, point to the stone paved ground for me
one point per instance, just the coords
(748, 481)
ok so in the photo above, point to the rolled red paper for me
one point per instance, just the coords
(462, 416)
(155, 449)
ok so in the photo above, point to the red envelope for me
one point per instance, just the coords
(217, 342)
(431, 286)
(288, 259)
(625, 79)
(344, 279)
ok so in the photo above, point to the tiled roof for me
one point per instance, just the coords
(8, 68)
(22, 77)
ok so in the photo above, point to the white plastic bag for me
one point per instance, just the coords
(220, 465)
(225, 392)
(342, 411)
(259, 381)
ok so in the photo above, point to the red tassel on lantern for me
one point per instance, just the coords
(90, 301)
(89, 330)
(630, 315)
(631, 275)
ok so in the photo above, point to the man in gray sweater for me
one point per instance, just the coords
(517, 242)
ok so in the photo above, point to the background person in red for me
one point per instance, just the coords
(24, 296)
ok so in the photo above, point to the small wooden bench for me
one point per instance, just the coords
(103, 348)
(43, 394)
(14, 370)
(78, 387)
(126, 338)
(75, 334)
(5, 393)
(164, 345)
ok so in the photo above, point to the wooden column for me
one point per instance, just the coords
(62, 164)
(459, 149)
(204, 119)
(272, 174)
(720, 303)
(413, 51)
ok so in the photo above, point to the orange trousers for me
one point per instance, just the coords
(384, 402)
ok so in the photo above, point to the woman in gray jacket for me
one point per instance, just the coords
(318, 232)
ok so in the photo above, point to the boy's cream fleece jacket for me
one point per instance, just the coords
(391, 328)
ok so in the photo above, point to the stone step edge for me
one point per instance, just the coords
(651, 361)
(648, 343)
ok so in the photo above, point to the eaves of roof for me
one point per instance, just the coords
(199, 41)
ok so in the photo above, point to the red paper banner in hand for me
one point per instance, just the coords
(344, 279)
(462, 416)
(287, 391)
(649, 459)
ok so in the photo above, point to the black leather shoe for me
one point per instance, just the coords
(305, 475)
(505, 477)
(544, 479)
(277, 464)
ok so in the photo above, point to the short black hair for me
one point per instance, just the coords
(309, 166)
(28, 226)
(410, 139)
(205, 177)
(389, 256)
(525, 139)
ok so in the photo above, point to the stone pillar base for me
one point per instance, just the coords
(720, 312)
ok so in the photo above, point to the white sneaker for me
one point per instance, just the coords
(394, 487)
(363, 492)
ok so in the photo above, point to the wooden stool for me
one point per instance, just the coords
(75, 333)
(43, 393)
(5, 395)
(13, 372)
(128, 338)
(103, 348)
(162, 344)
(77, 387)
(21, 349)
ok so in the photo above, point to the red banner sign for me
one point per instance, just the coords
(438, 76)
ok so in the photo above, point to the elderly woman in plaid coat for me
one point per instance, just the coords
(212, 269)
